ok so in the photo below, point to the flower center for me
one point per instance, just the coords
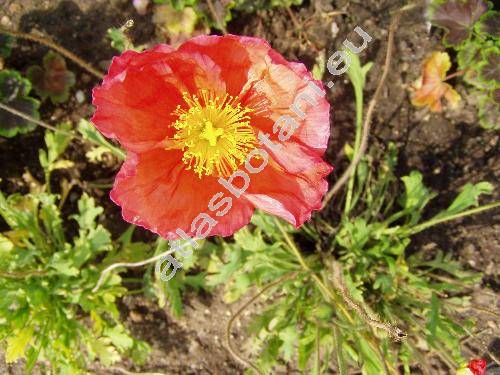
(214, 133)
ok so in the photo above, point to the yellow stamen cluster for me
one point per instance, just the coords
(214, 133)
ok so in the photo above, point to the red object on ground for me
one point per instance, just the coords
(477, 366)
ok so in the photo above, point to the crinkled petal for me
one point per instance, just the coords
(292, 185)
(156, 192)
(285, 84)
(136, 100)
(234, 54)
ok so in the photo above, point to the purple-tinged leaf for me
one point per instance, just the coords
(14, 91)
(489, 24)
(458, 18)
(53, 80)
(490, 70)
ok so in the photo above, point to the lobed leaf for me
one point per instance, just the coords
(430, 88)
(458, 17)
(489, 24)
(14, 92)
(52, 79)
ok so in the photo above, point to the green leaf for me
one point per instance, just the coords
(489, 24)
(289, 336)
(62, 164)
(175, 21)
(225, 271)
(356, 72)
(56, 143)
(489, 68)
(64, 266)
(339, 351)
(87, 212)
(107, 353)
(305, 349)
(469, 196)
(95, 155)
(89, 132)
(458, 18)
(16, 345)
(120, 339)
(318, 69)
(416, 196)
(119, 40)
(248, 240)
(14, 91)
(371, 362)
(6, 245)
(489, 112)
(171, 291)
(140, 352)
(433, 319)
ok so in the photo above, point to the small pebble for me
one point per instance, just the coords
(80, 96)
(334, 28)
(135, 317)
(5, 21)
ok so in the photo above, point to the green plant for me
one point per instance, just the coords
(353, 294)
(472, 31)
(119, 39)
(53, 79)
(170, 294)
(337, 301)
(100, 144)
(14, 92)
(48, 311)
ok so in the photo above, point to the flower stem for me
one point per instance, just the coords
(435, 221)
(456, 74)
(334, 298)
(358, 93)
(21, 275)
(217, 19)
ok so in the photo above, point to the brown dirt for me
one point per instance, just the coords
(449, 148)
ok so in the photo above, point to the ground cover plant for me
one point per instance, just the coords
(384, 266)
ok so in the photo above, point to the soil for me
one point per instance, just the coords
(448, 148)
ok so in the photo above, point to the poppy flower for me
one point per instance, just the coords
(214, 129)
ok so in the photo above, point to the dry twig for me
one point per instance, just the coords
(51, 44)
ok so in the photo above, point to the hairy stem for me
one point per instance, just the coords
(371, 320)
(358, 93)
(21, 275)
(432, 222)
(145, 262)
